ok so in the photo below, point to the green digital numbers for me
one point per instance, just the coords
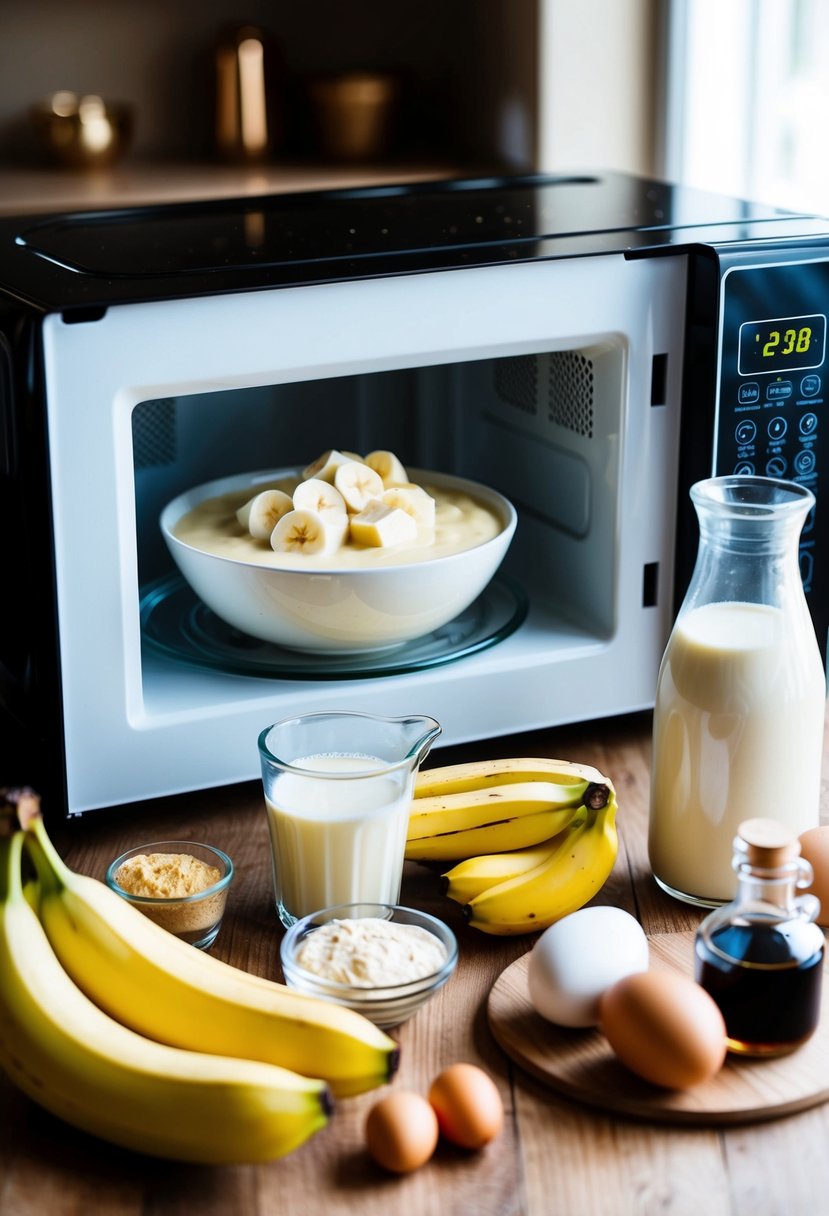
(798, 340)
(781, 344)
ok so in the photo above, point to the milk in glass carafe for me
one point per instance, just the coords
(738, 721)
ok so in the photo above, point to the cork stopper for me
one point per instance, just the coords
(768, 845)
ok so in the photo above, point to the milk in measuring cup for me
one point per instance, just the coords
(337, 839)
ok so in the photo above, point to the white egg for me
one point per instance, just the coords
(580, 956)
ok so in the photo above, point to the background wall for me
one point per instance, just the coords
(600, 84)
(158, 54)
(555, 84)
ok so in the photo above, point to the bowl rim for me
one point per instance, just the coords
(177, 507)
(359, 993)
(166, 846)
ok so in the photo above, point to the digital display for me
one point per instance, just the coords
(785, 344)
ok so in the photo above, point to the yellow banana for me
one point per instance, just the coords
(480, 774)
(443, 814)
(575, 870)
(163, 988)
(517, 832)
(477, 874)
(74, 1060)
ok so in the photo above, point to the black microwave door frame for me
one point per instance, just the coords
(31, 701)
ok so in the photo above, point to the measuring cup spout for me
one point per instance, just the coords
(419, 735)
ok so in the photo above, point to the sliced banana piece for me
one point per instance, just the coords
(263, 512)
(358, 484)
(307, 532)
(320, 496)
(380, 526)
(414, 501)
(388, 466)
(326, 465)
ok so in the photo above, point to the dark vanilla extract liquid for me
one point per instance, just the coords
(767, 983)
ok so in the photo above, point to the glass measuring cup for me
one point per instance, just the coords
(338, 787)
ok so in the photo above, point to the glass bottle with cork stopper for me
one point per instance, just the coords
(761, 956)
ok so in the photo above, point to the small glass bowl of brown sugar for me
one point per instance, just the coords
(179, 884)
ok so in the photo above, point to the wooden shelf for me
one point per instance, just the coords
(30, 190)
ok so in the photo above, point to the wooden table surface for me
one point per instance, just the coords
(553, 1157)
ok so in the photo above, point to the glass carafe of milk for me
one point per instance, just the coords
(741, 694)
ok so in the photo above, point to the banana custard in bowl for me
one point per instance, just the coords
(344, 556)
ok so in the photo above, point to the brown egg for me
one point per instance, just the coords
(664, 1027)
(401, 1132)
(468, 1105)
(814, 846)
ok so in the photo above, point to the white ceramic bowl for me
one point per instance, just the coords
(331, 610)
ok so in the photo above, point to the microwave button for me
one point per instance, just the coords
(807, 567)
(748, 393)
(776, 467)
(804, 462)
(745, 432)
(777, 427)
(810, 385)
(808, 424)
(778, 390)
(744, 469)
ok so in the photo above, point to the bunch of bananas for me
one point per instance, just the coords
(123, 1030)
(535, 839)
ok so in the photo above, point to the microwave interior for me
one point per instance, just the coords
(542, 428)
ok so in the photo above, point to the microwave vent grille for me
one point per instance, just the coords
(570, 386)
(154, 433)
(516, 381)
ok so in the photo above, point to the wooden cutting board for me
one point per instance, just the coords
(581, 1064)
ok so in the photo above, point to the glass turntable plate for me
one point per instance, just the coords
(177, 625)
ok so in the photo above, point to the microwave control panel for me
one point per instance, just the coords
(772, 418)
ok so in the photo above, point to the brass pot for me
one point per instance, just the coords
(82, 132)
(354, 114)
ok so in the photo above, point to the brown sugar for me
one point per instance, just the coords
(173, 877)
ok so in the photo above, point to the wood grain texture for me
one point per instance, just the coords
(556, 1157)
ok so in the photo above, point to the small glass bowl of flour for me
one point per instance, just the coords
(383, 960)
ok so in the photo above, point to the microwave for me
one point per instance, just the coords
(588, 346)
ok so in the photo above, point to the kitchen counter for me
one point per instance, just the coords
(553, 1156)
